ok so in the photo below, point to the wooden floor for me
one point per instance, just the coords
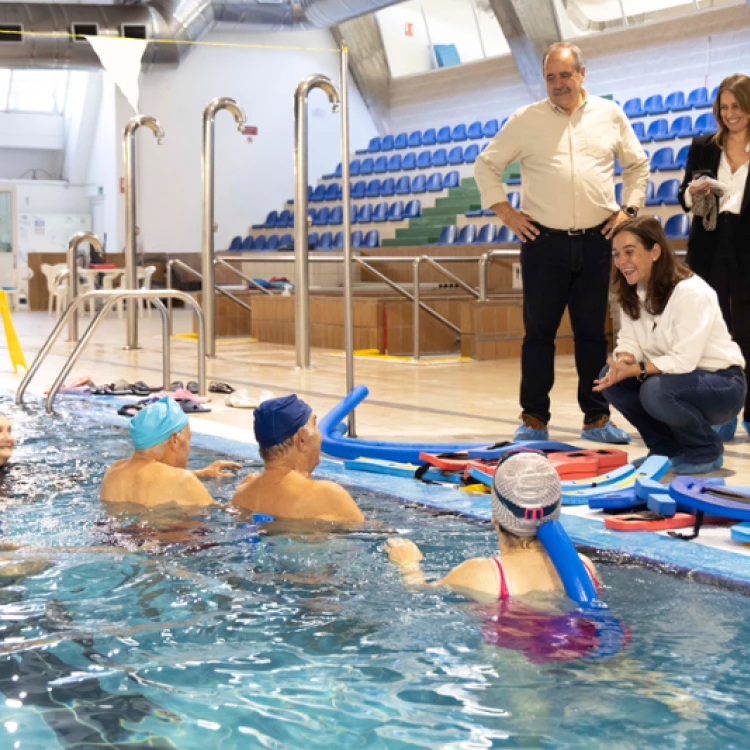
(455, 401)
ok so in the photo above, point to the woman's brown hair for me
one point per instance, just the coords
(739, 85)
(666, 272)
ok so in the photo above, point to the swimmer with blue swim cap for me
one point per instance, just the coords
(157, 471)
(289, 441)
(526, 493)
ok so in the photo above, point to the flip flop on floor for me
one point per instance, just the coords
(242, 400)
(182, 393)
(102, 390)
(146, 387)
(193, 387)
(129, 410)
(220, 388)
(191, 407)
(176, 385)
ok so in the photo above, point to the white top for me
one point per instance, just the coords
(567, 163)
(731, 201)
(689, 335)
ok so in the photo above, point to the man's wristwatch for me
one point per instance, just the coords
(631, 211)
(642, 374)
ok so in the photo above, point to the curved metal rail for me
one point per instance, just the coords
(113, 296)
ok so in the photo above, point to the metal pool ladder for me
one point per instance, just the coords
(111, 297)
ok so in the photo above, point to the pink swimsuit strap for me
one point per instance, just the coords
(505, 591)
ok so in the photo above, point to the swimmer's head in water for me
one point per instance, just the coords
(526, 493)
(278, 419)
(156, 423)
(7, 441)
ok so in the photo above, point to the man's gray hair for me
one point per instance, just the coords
(574, 49)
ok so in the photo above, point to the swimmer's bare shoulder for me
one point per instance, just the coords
(242, 495)
(154, 485)
(334, 502)
(477, 574)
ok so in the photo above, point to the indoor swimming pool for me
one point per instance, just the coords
(164, 631)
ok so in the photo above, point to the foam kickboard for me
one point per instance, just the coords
(625, 500)
(611, 477)
(662, 503)
(395, 469)
(741, 532)
(481, 476)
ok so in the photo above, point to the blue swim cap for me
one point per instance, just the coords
(277, 419)
(155, 423)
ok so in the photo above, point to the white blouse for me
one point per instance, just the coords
(689, 335)
(731, 201)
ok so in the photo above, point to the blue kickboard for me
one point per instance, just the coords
(405, 471)
(654, 467)
(624, 500)
(741, 532)
(616, 475)
(700, 495)
(481, 476)
(662, 503)
(550, 446)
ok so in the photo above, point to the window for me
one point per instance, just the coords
(33, 90)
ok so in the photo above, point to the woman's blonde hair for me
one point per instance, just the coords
(739, 85)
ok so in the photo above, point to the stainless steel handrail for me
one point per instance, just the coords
(242, 276)
(73, 244)
(450, 275)
(209, 225)
(113, 296)
(485, 259)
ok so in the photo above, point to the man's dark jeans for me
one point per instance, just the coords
(674, 413)
(560, 270)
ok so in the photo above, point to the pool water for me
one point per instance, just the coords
(220, 638)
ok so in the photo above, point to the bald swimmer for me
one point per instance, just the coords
(289, 440)
(157, 471)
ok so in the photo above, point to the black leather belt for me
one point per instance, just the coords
(571, 232)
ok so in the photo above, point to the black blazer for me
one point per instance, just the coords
(705, 154)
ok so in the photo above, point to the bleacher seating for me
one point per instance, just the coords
(248, 243)
(447, 235)
(705, 123)
(467, 235)
(654, 105)
(633, 107)
(675, 102)
(506, 237)
(698, 98)
(486, 234)
(677, 226)
(236, 243)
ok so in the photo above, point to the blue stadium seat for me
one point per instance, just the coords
(443, 135)
(682, 127)
(435, 183)
(677, 227)
(319, 194)
(333, 192)
(364, 215)
(502, 124)
(380, 212)
(680, 161)
(486, 234)
(456, 155)
(658, 130)
(373, 188)
(516, 180)
(396, 211)
(284, 220)
(374, 145)
(357, 238)
(467, 235)
(439, 158)
(403, 186)
(247, 244)
(490, 128)
(650, 192)
(514, 198)
(272, 242)
(353, 213)
(386, 143)
(618, 168)
(409, 161)
(474, 214)
(705, 123)
(325, 242)
(663, 160)
(618, 193)
(236, 243)
(367, 166)
(640, 131)
(666, 195)
(506, 237)
(714, 94)
(424, 160)
(654, 105)
(336, 216)
(401, 141)
(474, 131)
(387, 187)
(413, 209)
(446, 55)
(451, 180)
(415, 139)
(633, 107)
(380, 166)
(353, 168)
(675, 102)
(487, 212)
(429, 137)
(459, 133)
(358, 189)
(394, 163)
(286, 240)
(698, 98)
(372, 239)
(338, 241)
(471, 153)
(447, 235)
(419, 184)
(321, 218)
(312, 239)
(260, 243)
(271, 220)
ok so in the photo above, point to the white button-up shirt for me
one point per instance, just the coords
(689, 335)
(567, 163)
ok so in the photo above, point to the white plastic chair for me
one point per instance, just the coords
(57, 289)
(144, 282)
(21, 277)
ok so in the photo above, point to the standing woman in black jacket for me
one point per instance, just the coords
(722, 255)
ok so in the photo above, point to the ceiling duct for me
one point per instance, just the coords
(184, 20)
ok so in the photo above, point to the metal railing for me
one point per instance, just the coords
(485, 259)
(111, 297)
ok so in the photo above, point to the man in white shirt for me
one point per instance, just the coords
(566, 145)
